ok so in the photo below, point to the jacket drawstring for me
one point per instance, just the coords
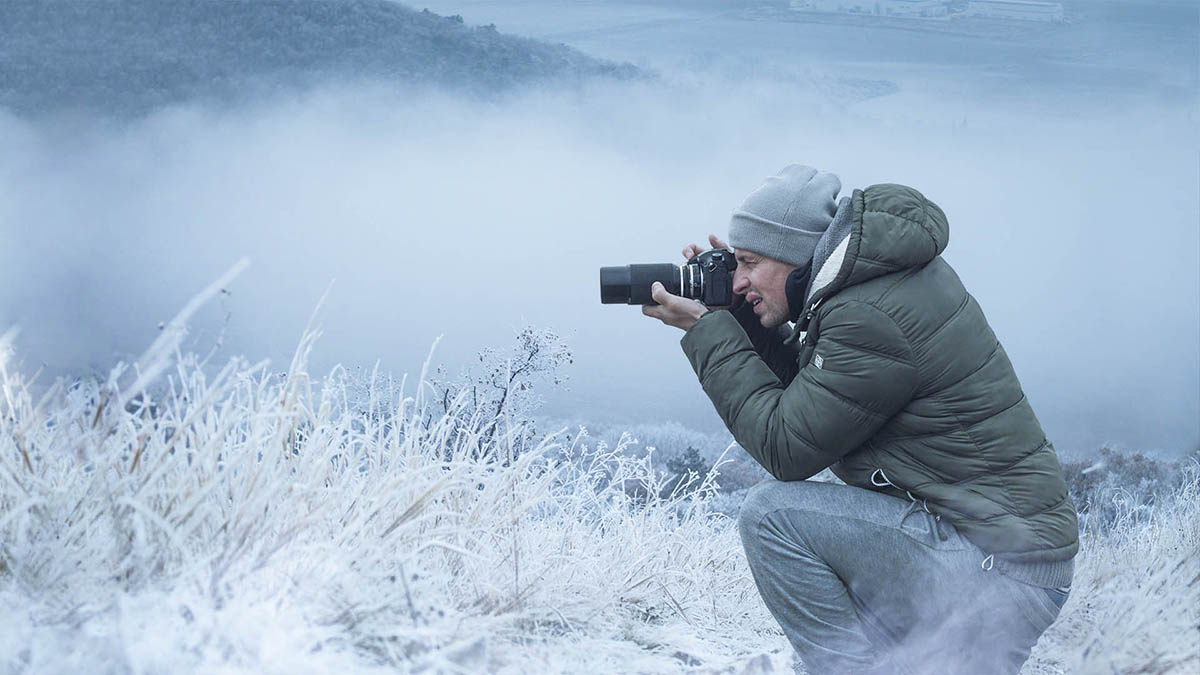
(884, 481)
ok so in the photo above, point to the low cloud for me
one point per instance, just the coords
(441, 216)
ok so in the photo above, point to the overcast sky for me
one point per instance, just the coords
(1073, 206)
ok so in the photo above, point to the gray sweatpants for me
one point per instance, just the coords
(866, 583)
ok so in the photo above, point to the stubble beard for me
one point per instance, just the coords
(771, 317)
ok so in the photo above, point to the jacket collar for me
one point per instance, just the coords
(796, 288)
(830, 252)
(827, 261)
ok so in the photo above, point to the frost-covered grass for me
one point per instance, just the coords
(1135, 601)
(182, 518)
(246, 521)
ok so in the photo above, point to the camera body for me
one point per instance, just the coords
(707, 277)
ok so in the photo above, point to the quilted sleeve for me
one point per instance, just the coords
(860, 375)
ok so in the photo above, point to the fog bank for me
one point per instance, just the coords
(438, 216)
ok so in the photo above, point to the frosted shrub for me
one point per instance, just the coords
(503, 386)
(1115, 486)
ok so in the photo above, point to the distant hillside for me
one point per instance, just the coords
(129, 56)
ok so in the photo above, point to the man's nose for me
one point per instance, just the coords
(740, 283)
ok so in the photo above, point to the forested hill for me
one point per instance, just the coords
(129, 56)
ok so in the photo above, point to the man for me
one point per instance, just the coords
(950, 548)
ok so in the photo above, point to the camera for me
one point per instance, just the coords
(707, 277)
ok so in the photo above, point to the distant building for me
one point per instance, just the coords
(905, 8)
(1023, 10)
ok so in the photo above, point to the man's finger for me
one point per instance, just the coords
(716, 243)
(658, 293)
(654, 311)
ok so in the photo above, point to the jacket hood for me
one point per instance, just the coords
(877, 230)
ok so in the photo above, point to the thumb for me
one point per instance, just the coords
(659, 293)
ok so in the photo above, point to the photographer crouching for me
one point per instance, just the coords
(950, 548)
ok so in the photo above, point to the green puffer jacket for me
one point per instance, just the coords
(893, 379)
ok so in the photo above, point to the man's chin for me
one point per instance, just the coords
(770, 321)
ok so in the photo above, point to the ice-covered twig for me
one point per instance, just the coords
(156, 359)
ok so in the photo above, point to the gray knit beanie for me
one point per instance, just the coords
(784, 218)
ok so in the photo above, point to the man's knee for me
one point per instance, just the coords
(768, 497)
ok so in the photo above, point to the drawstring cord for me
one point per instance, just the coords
(883, 481)
(913, 503)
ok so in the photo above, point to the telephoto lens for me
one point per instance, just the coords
(630, 284)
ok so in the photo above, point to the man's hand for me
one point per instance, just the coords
(691, 250)
(672, 309)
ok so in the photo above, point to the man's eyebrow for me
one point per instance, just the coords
(744, 257)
